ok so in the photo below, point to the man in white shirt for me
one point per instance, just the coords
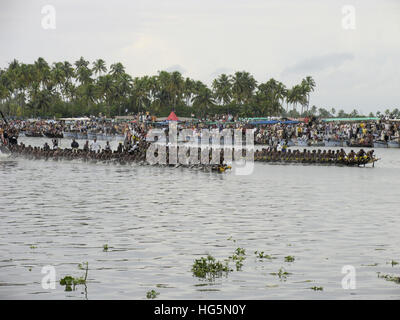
(95, 146)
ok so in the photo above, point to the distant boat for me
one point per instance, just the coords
(333, 143)
(53, 135)
(359, 144)
(393, 144)
(33, 134)
(317, 144)
(380, 144)
(81, 135)
(301, 143)
(119, 138)
(70, 135)
(91, 135)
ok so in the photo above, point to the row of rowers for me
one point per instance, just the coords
(319, 155)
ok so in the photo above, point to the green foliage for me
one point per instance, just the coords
(262, 255)
(209, 268)
(289, 259)
(389, 277)
(152, 294)
(84, 88)
(317, 288)
(393, 263)
(282, 274)
(71, 282)
(105, 247)
(238, 257)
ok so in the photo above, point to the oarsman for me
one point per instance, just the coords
(74, 145)
(86, 146)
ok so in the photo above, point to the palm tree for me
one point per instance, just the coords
(81, 63)
(176, 87)
(99, 67)
(308, 84)
(222, 87)
(117, 69)
(243, 85)
(203, 100)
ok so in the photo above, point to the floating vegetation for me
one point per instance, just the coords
(209, 268)
(238, 257)
(152, 294)
(389, 277)
(262, 255)
(105, 247)
(393, 263)
(70, 282)
(33, 247)
(370, 265)
(289, 259)
(282, 274)
(317, 288)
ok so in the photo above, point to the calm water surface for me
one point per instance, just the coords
(157, 221)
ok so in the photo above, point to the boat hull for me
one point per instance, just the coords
(393, 144)
(380, 144)
(333, 143)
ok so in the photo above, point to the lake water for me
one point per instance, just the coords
(157, 221)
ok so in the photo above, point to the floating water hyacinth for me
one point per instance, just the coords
(71, 282)
(152, 294)
(209, 268)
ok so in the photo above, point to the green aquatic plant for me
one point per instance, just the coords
(209, 268)
(262, 255)
(105, 247)
(289, 259)
(238, 257)
(393, 263)
(152, 294)
(33, 247)
(317, 288)
(240, 251)
(71, 282)
(282, 274)
(389, 277)
(230, 238)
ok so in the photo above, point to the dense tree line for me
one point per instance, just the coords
(83, 88)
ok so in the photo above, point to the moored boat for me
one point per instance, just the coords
(380, 144)
(333, 143)
(301, 143)
(91, 135)
(393, 144)
(33, 134)
(69, 135)
(53, 135)
(81, 135)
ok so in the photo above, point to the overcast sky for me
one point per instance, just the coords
(355, 62)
